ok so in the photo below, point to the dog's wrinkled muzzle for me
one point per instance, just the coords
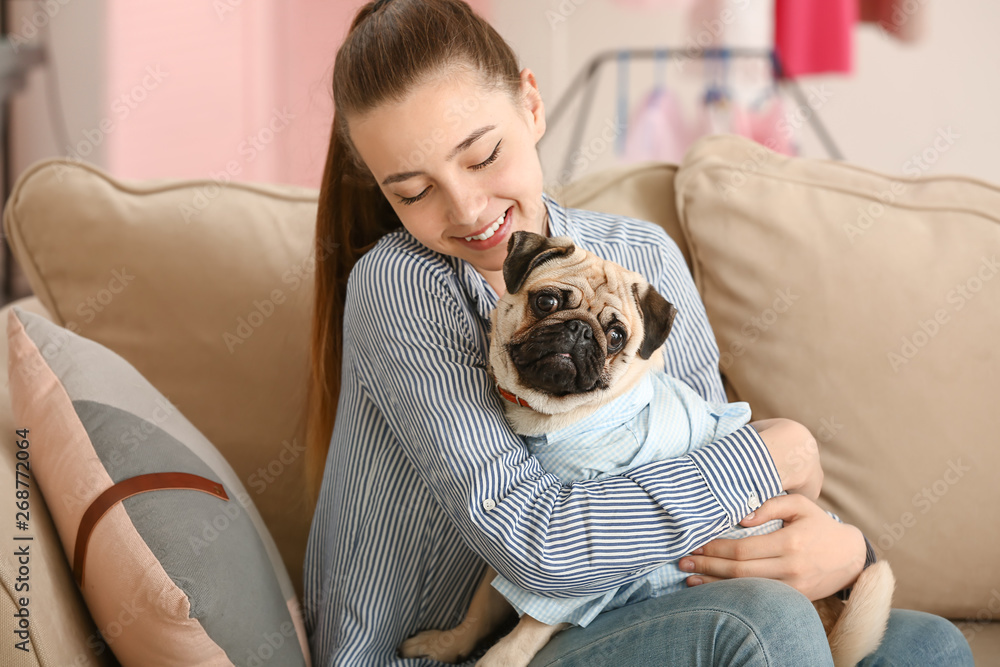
(561, 358)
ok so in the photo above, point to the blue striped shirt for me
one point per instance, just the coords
(425, 479)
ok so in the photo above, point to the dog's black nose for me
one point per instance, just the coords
(579, 329)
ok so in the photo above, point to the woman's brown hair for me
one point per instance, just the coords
(392, 47)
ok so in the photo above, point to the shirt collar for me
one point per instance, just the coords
(622, 410)
(484, 298)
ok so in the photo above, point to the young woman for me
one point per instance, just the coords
(432, 165)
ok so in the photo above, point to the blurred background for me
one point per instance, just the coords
(239, 89)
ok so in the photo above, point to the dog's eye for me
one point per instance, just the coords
(616, 339)
(546, 303)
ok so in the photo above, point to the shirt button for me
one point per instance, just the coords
(488, 504)
(753, 502)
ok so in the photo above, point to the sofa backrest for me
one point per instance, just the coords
(882, 343)
(206, 290)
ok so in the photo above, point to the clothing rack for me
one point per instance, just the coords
(586, 80)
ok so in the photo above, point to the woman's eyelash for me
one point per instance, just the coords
(412, 200)
(485, 163)
(406, 201)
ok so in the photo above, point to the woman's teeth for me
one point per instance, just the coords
(490, 231)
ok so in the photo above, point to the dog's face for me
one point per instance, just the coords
(572, 329)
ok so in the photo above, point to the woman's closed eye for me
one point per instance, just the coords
(476, 167)
(488, 161)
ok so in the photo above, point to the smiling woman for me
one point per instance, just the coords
(478, 178)
(432, 166)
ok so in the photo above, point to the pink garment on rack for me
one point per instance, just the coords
(815, 36)
(723, 116)
(657, 129)
(770, 126)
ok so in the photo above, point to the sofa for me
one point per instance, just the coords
(860, 304)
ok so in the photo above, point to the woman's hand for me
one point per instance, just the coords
(812, 552)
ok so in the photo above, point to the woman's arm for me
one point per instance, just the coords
(421, 359)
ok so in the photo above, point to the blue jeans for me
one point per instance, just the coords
(745, 622)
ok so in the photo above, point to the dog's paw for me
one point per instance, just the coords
(441, 645)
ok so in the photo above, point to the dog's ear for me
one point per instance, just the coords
(657, 317)
(526, 251)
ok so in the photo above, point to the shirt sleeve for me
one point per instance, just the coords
(421, 361)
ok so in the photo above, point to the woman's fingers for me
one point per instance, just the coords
(787, 508)
(812, 552)
(756, 555)
(726, 568)
(770, 545)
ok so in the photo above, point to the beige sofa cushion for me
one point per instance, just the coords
(867, 307)
(205, 290)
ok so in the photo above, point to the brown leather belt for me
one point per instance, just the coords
(154, 481)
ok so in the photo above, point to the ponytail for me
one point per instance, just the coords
(391, 47)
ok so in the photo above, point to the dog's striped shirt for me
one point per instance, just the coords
(424, 476)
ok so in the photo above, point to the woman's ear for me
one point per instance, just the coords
(532, 105)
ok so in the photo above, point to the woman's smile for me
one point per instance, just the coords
(495, 233)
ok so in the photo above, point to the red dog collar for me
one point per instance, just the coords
(511, 397)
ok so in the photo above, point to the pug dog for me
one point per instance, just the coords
(575, 333)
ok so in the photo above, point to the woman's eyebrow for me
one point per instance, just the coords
(469, 140)
(465, 143)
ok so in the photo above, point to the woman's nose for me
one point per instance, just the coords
(467, 206)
